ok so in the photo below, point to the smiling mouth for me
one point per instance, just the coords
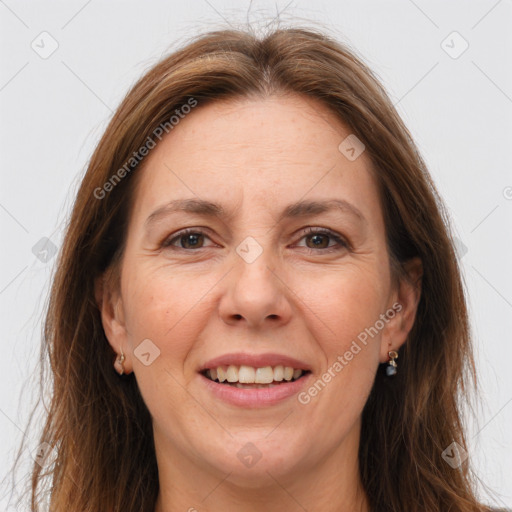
(248, 377)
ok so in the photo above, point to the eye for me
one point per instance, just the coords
(188, 238)
(193, 238)
(319, 238)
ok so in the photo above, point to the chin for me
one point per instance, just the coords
(252, 460)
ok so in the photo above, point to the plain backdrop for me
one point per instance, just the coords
(65, 66)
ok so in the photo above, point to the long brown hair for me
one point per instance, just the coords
(98, 422)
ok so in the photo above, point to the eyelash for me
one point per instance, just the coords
(342, 244)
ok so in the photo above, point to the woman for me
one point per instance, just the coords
(257, 304)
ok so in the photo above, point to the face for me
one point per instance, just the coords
(259, 286)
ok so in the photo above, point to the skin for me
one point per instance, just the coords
(255, 156)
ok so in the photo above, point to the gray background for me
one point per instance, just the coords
(458, 106)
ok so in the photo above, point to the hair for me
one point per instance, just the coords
(97, 420)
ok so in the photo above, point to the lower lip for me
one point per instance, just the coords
(253, 398)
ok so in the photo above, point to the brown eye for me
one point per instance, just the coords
(319, 239)
(187, 239)
(192, 240)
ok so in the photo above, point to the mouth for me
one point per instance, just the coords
(249, 377)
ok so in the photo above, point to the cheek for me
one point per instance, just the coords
(171, 320)
(346, 304)
(348, 329)
(162, 308)
(336, 397)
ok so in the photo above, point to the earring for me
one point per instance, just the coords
(392, 366)
(119, 363)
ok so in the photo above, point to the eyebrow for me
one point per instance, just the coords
(294, 210)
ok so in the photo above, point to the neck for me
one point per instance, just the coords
(332, 485)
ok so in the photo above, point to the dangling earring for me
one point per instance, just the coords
(392, 366)
(119, 363)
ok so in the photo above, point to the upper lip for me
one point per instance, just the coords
(254, 360)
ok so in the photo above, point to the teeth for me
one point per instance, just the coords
(232, 373)
(258, 386)
(248, 375)
(221, 374)
(264, 375)
(278, 373)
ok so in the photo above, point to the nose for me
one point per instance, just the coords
(256, 294)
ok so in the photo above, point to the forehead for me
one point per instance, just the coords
(271, 151)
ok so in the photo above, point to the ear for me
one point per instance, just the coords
(404, 302)
(110, 304)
